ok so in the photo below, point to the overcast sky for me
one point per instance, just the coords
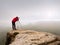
(30, 10)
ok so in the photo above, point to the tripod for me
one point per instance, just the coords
(20, 25)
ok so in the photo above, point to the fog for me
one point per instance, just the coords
(29, 10)
(39, 15)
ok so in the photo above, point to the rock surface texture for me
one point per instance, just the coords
(28, 37)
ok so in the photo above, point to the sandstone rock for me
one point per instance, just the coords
(28, 37)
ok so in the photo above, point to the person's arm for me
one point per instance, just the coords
(18, 19)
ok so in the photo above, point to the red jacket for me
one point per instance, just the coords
(15, 19)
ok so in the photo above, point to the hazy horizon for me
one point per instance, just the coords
(39, 15)
(39, 26)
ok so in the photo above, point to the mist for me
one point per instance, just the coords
(39, 15)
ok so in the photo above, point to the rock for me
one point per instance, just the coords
(28, 37)
(55, 43)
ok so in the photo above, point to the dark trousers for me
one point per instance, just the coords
(13, 26)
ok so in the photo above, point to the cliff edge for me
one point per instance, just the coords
(29, 37)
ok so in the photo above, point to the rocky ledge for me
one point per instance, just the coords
(28, 37)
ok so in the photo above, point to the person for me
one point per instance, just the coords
(14, 20)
